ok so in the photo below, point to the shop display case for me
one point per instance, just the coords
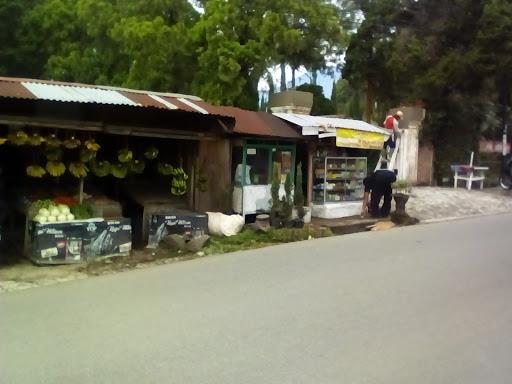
(338, 179)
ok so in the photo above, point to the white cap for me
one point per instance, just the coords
(400, 114)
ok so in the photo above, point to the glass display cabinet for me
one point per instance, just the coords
(338, 179)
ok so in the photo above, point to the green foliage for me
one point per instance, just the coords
(276, 205)
(251, 239)
(298, 194)
(82, 211)
(166, 45)
(401, 186)
(247, 239)
(237, 40)
(287, 200)
(321, 105)
(456, 64)
(140, 44)
(348, 100)
(11, 14)
(288, 235)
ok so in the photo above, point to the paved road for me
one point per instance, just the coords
(424, 304)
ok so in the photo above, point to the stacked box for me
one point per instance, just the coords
(78, 241)
(188, 224)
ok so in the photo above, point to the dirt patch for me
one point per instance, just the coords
(137, 259)
(24, 275)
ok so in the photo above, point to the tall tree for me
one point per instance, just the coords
(237, 40)
(124, 42)
(369, 51)
(448, 55)
(11, 14)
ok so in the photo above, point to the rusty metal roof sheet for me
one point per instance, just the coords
(85, 93)
(15, 90)
(257, 123)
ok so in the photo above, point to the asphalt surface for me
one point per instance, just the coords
(424, 304)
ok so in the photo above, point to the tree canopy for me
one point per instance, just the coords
(452, 57)
(167, 45)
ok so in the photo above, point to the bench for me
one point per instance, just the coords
(468, 173)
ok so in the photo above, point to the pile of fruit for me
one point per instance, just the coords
(55, 211)
(54, 214)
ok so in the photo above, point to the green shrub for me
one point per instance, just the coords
(298, 195)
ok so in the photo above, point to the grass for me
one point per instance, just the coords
(252, 239)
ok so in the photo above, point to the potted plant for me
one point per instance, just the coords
(401, 190)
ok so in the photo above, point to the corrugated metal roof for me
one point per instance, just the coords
(85, 93)
(257, 123)
(329, 123)
(76, 94)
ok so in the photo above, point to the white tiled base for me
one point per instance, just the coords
(337, 210)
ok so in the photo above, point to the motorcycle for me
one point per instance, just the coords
(506, 172)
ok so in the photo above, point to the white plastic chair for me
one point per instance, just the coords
(469, 173)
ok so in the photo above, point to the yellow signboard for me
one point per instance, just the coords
(358, 139)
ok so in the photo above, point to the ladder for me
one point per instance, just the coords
(392, 161)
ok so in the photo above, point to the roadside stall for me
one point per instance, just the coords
(339, 158)
(84, 166)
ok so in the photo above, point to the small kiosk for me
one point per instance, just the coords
(339, 158)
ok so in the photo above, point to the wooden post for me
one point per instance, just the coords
(311, 150)
(81, 191)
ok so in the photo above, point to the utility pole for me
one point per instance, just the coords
(505, 140)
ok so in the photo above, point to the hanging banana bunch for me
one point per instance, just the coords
(55, 168)
(137, 166)
(35, 140)
(35, 171)
(3, 140)
(124, 155)
(72, 143)
(53, 141)
(87, 155)
(151, 153)
(165, 169)
(100, 168)
(119, 170)
(179, 182)
(92, 145)
(17, 138)
(79, 170)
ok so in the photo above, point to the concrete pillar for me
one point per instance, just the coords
(291, 102)
(410, 127)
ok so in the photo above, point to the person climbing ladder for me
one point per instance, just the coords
(391, 124)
